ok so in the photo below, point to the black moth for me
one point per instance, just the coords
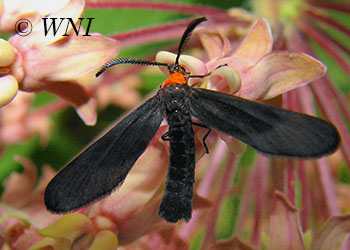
(103, 165)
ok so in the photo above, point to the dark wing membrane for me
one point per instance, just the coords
(104, 164)
(267, 129)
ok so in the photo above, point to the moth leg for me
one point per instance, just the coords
(208, 74)
(205, 136)
(166, 137)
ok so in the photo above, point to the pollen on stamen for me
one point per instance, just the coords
(175, 78)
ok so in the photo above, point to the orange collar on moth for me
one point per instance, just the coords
(175, 78)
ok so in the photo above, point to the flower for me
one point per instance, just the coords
(12, 11)
(294, 25)
(254, 71)
(284, 227)
(121, 94)
(8, 83)
(19, 124)
(72, 56)
(22, 210)
(24, 185)
(137, 201)
(75, 231)
(22, 218)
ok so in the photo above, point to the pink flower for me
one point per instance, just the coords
(122, 93)
(25, 213)
(12, 11)
(17, 124)
(254, 71)
(137, 201)
(285, 231)
(55, 63)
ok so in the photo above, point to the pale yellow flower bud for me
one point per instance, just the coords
(7, 53)
(8, 89)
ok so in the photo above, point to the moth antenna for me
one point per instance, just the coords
(186, 35)
(128, 61)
